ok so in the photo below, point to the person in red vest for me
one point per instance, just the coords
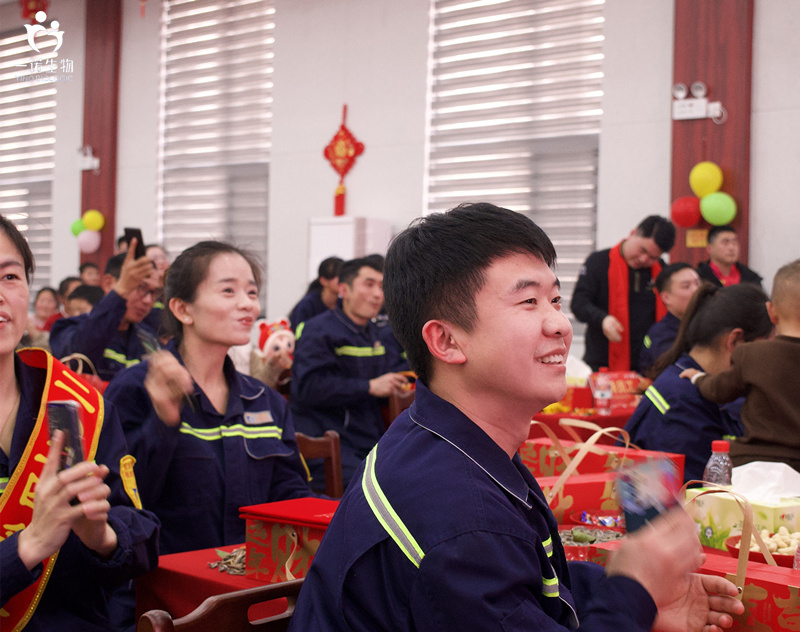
(614, 295)
(70, 534)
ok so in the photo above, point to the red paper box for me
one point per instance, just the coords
(770, 595)
(584, 491)
(283, 537)
(540, 457)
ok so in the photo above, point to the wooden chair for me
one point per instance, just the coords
(228, 612)
(325, 447)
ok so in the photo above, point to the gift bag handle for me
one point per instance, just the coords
(748, 529)
(80, 358)
(576, 460)
(557, 445)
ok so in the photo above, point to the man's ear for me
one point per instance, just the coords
(773, 313)
(180, 310)
(441, 341)
(107, 282)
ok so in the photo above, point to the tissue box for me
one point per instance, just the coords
(720, 516)
(583, 491)
(540, 458)
(283, 537)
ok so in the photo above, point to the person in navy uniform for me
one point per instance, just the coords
(107, 335)
(447, 529)
(207, 439)
(342, 371)
(676, 284)
(85, 514)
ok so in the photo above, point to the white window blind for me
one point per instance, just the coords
(516, 87)
(216, 123)
(27, 136)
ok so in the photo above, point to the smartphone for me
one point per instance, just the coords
(65, 416)
(646, 490)
(130, 233)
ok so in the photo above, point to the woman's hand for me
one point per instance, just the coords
(54, 516)
(167, 383)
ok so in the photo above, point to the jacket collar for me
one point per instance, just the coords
(443, 419)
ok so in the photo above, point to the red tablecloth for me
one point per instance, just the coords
(618, 418)
(183, 581)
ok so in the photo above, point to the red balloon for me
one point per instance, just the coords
(686, 211)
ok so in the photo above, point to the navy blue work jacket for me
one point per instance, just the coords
(307, 307)
(96, 335)
(75, 598)
(334, 361)
(674, 417)
(489, 545)
(658, 340)
(196, 476)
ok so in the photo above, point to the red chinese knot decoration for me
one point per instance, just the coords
(31, 7)
(342, 152)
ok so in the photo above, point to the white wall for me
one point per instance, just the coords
(372, 55)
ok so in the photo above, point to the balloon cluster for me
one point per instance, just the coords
(714, 206)
(87, 230)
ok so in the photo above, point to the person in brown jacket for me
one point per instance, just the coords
(768, 373)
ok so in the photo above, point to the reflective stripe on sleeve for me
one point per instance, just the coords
(647, 342)
(550, 586)
(236, 430)
(385, 514)
(116, 356)
(548, 546)
(360, 352)
(658, 401)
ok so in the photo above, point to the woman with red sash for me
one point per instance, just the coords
(66, 537)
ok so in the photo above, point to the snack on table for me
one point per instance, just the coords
(782, 542)
(584, 536)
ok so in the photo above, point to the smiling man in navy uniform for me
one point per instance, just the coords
(447, 529)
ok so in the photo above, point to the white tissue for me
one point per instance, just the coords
(578, 372)
(763, 481)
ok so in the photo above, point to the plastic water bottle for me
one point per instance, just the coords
(719, 466)
(602, 392)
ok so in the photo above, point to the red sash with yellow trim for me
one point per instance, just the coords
(16, 503)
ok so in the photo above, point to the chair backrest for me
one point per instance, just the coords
(229, 612)
(325, 447)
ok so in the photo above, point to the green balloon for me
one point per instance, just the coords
(77, 227)
(718, 209)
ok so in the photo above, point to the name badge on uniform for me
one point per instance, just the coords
(258, 418)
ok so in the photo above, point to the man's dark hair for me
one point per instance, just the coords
(717, 230)
(659, 229)
(437, 265)
(114, 265)
(120, 240)
(21, 244)
(350, 269)
(376, 261)
(65, 283)
(665, 276)
(87, 265)
(91, 293)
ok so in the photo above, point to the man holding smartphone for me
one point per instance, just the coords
(107, 335)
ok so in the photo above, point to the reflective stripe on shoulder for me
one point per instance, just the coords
(647, 342)
(299, 330)
(385, 514)
(236, 430)
(360, 352)
(658, 400)
(116, 356)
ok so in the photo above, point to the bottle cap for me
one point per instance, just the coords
(603, 369)
(720, 445)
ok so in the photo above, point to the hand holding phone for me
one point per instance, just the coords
(130, 234)
(647, 490)
(65, 416)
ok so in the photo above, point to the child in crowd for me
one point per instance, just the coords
(83, 298)
(768, 373)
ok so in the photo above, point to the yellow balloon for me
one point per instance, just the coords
(705, 178)
(93, 220)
